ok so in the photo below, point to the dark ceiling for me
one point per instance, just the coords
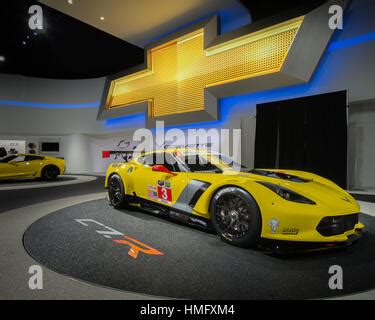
(70, 49)
(66, 48)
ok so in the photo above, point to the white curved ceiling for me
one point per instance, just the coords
(142, 21)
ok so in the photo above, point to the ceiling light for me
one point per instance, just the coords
(102, 18)
(2, 58)
(24, 43)
(70, 1)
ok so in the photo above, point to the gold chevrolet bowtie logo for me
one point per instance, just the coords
(180, 72)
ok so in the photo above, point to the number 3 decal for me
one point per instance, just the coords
(165, 194)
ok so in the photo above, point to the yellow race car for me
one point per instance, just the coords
(243, 206)
(26, 166)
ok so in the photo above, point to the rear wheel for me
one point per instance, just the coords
(50, 173)
(116, 192)
(236, 217)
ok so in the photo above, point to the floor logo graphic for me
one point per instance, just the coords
(136, 246)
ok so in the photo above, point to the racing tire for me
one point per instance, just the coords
(116, 192)
(50, 173)
(235, 216)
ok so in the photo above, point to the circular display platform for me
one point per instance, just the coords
(25, 182)
(8, 185)
(138, 252)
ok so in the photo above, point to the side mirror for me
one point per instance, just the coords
(161, 168)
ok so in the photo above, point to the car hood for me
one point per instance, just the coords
(314, 187)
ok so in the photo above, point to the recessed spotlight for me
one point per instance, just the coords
(2, 58)
(70, 1)
(24, 43)
(27, 37)
(102, 18)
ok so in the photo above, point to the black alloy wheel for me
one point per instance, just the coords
(116, 192)
(236, 217)
(50, 173)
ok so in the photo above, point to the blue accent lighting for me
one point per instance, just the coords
(341, 44)
(129, 121)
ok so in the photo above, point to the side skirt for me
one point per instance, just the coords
(172, 213)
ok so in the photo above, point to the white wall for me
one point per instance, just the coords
(17, 87)
(71, 146)
(362, 146)
(77, 154)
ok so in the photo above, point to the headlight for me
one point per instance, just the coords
(286, 193)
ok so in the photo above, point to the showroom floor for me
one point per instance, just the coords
(68, 228)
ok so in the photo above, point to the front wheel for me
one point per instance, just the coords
(50, 173)
(116, 192)
(236, 217)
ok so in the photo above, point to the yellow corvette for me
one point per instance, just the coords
(243, 206)
(25, 166)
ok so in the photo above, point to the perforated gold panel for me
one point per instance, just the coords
(180, 70)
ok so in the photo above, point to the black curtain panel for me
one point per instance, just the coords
(266, 130)
(308, 134)
(326, 136)
(292, 135)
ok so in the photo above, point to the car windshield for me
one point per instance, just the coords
(6, 159)
(227, 161)
(208, 162)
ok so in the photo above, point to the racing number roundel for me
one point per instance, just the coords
(164, 193)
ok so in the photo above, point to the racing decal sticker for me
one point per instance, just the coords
(274, 224)
(152, 192)
(136, 246)
(290, 231)
(165, 194)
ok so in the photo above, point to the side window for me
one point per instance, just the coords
(19, 159)
(144, 159)
(141, 159)
(170, 163)
(150, 159)
(33, 158)
(7, 159)
(197, 163)
(147, 159)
